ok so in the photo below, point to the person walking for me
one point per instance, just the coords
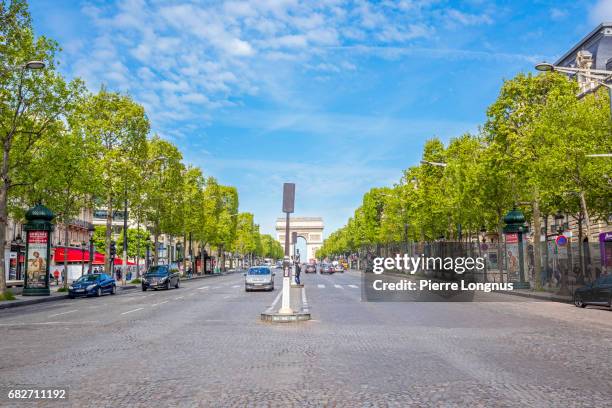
(298, 270)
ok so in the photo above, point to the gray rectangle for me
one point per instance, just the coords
(288, 197)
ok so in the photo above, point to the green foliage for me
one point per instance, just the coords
(532, 148)
(63, 289)
(7, 295)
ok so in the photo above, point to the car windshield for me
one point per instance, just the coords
(259, 271)
(89, 278)
(156, 271)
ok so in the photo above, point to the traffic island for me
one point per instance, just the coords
(299, 305)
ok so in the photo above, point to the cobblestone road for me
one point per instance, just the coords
(204, 346)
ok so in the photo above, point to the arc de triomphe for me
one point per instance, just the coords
(309, 228)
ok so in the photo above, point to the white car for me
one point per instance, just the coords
(259, 278)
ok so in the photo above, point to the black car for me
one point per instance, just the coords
(310, 268)
(327, 268)
(94, 284)
(161, 277)
(597, 293)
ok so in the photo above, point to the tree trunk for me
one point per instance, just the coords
(500, 239)
(585, 213)
(65, 272)
(109, 232)
(184, 252)
(537, 267)
(3, 223)
(155, 248)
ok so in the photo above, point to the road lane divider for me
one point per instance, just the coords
(338, 286)
(203, 287)
(305, 307)
(160, 303)
(354, 286)
(63, 313)
(320, 286)
(271, 308)
(131, 311)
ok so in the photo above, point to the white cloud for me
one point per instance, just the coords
(557, 14)
(601, 12)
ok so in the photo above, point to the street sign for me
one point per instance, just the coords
(561, 240)
(288, 197)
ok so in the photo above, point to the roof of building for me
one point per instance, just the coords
(598, 41)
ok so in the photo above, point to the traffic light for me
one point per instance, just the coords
(113, 249)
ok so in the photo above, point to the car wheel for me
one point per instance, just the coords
(71, 296)
(578, 301)
(114, 290)
(177, 283)
(98, 292)
(167, 285)
(144, 288)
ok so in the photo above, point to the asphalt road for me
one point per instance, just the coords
(203, 345)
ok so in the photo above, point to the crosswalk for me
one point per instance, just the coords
(337, 286)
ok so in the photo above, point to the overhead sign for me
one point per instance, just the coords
(561, 240)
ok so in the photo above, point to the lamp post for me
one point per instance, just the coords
(92, 249)
(589, 79)
(288, 208)
(83, 243)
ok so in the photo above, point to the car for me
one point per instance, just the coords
(95, 284)
(326, 268)
(259, 278)
(161, 277)
(310, 268)
(339, 268)
(597, 293)
(279, 264)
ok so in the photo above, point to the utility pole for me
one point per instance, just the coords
(288, 207)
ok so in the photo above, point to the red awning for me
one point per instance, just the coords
(78, 255)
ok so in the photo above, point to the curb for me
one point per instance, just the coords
(274, 317)
(45, 299)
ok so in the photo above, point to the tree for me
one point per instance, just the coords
(164, 187)
(119, 127)
(32, 104)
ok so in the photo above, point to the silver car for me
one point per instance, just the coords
(259, 278)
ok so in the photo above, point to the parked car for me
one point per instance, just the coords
(161, 277)
(259, 278)
(326, 268)
(339, 268)
(310, 268)
(95, 284)
(597, 293)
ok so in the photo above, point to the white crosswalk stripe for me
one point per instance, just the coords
(338, 286)
(235, 286)
(354, 286)
(320, 286)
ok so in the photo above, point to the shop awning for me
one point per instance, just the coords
(78, 255)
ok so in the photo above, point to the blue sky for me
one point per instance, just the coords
(336, 96)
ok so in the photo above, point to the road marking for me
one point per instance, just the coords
(305, 307)
(63, 313)
(160, 303)
(320, 286)
(203, 287)
(236, 286)
(180, 297)
(130, 311)
(270, 309)
(338, 286)
(226, 297)
(191, 294)
(47, 323)
(354, 286)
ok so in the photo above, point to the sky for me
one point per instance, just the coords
(335, 96)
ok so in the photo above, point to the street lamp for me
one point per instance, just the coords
(437, 164)
(91, 231)
(588, 79)
(83, 243)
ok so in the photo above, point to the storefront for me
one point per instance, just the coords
(605, 248)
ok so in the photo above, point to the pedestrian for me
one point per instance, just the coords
(297, 273)
(118, 274)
